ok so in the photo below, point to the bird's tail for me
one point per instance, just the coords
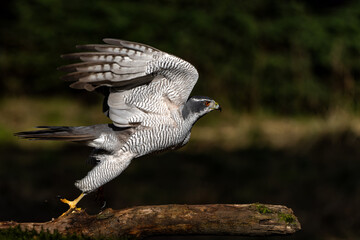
(73, 134)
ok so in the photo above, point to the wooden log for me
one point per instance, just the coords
(143, 221)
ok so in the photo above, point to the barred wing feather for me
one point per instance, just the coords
(142, 80)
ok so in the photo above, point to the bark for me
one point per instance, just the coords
(143, 221)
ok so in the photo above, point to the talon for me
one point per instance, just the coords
(103, 206)
(72, 204)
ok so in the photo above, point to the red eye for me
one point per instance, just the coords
(207, 103)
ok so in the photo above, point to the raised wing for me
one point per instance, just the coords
(142, 80)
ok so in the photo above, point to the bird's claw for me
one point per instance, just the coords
(72, 205)
(70, 210)
(103, 206)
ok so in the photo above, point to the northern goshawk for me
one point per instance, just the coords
(146, 97)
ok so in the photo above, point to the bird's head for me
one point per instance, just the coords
(198, 106)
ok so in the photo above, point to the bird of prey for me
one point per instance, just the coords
(146, 98)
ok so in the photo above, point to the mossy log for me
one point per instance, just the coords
(143, 221)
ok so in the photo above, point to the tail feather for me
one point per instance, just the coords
(61, 133)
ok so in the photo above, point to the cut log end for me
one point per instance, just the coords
(142, 221)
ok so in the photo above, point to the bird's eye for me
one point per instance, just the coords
(207, 103)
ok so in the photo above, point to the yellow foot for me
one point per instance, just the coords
(72, 204)
(70, 210)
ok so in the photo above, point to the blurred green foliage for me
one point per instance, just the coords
(284, 57)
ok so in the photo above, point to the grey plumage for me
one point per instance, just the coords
(146, 98)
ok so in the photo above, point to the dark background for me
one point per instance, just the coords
(285, 72)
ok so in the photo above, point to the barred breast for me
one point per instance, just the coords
(148, 140)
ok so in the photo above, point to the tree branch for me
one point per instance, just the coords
(143, 221)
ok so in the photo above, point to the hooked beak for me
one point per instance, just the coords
(216, 106)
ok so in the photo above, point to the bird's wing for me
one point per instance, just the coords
(142, 80)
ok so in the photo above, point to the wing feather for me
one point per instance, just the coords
(142, 75)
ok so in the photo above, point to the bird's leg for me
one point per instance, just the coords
(72, 204)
